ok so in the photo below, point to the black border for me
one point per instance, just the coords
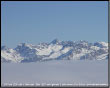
(108, 53)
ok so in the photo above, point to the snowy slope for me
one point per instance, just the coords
(10, 55)
(55, 50)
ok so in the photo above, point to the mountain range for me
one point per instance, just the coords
(55, 50)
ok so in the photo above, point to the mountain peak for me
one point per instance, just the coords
(22, 44)
(4, 48)
(55, 41)
(101, 44)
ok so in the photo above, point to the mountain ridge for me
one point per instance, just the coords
(55, 50)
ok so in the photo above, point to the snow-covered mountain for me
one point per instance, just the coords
(55, 50)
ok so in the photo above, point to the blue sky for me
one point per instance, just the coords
(34, 21)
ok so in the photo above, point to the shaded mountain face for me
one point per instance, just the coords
(55, 50)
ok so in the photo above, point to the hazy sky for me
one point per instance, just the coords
(35, 22)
